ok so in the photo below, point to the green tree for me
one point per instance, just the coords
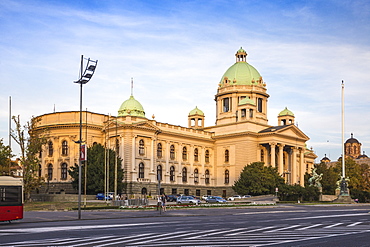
(96, 156)
(329, 178)
(258, 179)
(358, 174)
(5, 156)
(30, 142)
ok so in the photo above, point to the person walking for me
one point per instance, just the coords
(163, 198)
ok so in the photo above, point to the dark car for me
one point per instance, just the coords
(171, 198)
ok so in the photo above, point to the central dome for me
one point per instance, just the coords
(241, 73)
(131, 107)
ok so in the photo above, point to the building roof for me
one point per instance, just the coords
(352, 140)
(241, 73)
(131, 107)
(286, 112)
(196, 111)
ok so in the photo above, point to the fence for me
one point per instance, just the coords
(131, 202)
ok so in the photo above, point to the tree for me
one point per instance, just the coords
(5, 156)
(30, 142)
(258, 179)
(95, 170)
(329, 178)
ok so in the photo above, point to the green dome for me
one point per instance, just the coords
(131, 107)
(286, 112)
(241, 73)
(196, 111)
(247, 100)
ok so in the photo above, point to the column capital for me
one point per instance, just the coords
(272, 144)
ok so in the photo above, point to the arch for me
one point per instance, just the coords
(227, 176)
(184, 175)
(172, 152)
(159, 150)
(206, 175)
(144, 191)
(184, 153)
(50, 148)
(196, 175)
(141, 170)
(206, 156)
(64, 148)
(141, 147)
(50, 172)
(172, 173)
(159, 172)
(64, 171)
(227, 153)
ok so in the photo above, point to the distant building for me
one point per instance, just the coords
(196, 159)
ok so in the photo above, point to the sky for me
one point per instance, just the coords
(177, 52)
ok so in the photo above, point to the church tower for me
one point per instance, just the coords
(241, 94)
(352, 148)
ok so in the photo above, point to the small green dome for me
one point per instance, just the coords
(286, 112)
(196, 111)
(241, 73)
(131, 107)
(247, 100)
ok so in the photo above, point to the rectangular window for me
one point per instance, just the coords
(186, 192)
(174, 191)
(226, 104)
(259, 105)
(197, 192)
(209, 192)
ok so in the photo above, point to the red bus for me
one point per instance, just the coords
(11, 198)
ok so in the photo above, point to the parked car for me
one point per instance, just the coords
(215, 199)
(187, 200)
(246, 196)
(205, 197)
(232, 198)
(171, 198)
(100, 196)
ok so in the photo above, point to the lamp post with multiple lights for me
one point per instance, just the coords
(85, 77)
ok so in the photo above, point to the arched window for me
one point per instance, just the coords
(144, 191)
(227, 176)
(172, 173)
(50, 172)
(172, 152)
(196, 155)
(50, 148)
(206, 176)
(184, 153)
(141, 147)
(141, 170)
(159, 150)
(206, 157)
(117, 146)
(64, 171)
(64, 148)
(259, 104)
(262, 155)
(196, 175)
(159, 173)
(184, 175)
(226, 155)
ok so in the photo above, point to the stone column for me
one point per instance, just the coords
(272, 153)
(302, 169)
(294, 165)
(259, 147)
(281, 159)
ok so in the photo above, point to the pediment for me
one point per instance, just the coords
(291, 131)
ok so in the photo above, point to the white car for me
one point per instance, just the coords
(232, 198)
(205, 197)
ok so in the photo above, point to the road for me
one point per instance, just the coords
(289, 225)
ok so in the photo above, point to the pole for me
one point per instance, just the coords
(10, 131)
(115, 166)
(80, 142)
(343, 156)
(85, 180)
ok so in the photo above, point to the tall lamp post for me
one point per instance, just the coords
(343, 183)
(85, 77)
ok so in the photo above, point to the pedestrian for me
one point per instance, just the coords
(159, 201)
(163, 198)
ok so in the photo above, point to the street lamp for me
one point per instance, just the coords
(85, 77)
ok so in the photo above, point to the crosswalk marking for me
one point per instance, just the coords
(336, 224)
(254, 230)
(308, 227)
(354, 224)
(281, 229)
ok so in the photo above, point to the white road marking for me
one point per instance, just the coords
(308, 227)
